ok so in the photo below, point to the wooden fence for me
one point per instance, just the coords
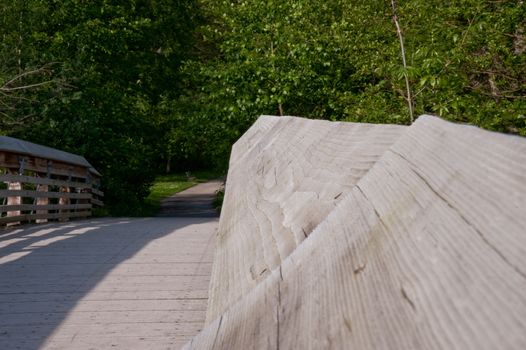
(39, 183)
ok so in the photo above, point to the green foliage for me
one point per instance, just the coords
(219, 198)
(340, 60)
(140, 86)
(165, 186)
(119, 60)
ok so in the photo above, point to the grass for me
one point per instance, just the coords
(218, 200)
(167, 185)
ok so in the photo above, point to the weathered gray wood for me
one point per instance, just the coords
(13, 199)
(26, 207)
(39, 166)
(105, 284)
(286, 174)
(24, 164)
(38, 194)
(21, 147)
(42, 202)
(427, 251)
(43, 181)
(97, 192)
(96, 202)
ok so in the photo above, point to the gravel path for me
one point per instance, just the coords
(196, 201)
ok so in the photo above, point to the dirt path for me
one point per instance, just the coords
(194, 202)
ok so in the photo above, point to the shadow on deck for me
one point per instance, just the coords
(107, 283)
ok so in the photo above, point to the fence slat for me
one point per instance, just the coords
(25, 207)
(60, 170)
(97, 192)
(38, 194)
(42, 181)
(97, 202)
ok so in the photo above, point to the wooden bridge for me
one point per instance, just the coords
(105, 283)
(95, 283)
(40, 183)
(332, 236)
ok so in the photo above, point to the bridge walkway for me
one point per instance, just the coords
(112, 283)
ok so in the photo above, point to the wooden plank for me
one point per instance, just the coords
(286, 175)
(42, 181)
(97, 202)
(37, 194)
(40, 152)
(115, 301)
(31, 217)
(427, 251)
(97, 192)
(40, 166)
(42, 202)
(64, 201)
(26, 207)
(14, 200)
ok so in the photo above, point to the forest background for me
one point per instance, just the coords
(142, 87)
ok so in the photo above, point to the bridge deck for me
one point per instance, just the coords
(107, 283)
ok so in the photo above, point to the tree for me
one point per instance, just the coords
(340, 60)
(119, 59)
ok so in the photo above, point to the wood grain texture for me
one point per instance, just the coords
(43, 181)
(427, 251)
(26, 207)
(105, 283)
(34, 173)
(286, 174)
(40, 194)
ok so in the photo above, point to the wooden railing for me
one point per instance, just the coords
(45, 184)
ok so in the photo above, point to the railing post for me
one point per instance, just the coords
(44, 188)
(14, 200)
(42, 201)
(64, 201)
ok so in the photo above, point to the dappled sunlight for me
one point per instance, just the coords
(46, 242)
(41, 233)
(13, 248)
(10, 234)
(89, 282)
(81, 231)
(12, 257)
(4, 244)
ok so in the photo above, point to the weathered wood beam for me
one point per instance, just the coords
(286, 175)
(426, 251)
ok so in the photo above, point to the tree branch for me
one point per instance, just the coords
(25, 87)
(44, 68)
(402, 49)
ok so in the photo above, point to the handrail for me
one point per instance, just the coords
(48, 184)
